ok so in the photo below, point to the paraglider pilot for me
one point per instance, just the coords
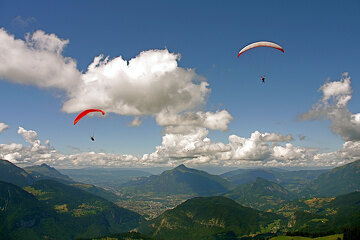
(263, 79)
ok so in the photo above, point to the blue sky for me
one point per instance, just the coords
(320, 39)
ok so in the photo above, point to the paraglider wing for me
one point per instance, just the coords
(82, 114)
(260, 44)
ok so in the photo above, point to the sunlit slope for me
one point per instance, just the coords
(323, 214)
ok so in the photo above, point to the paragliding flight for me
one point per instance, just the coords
(260, 44)
(84, 113)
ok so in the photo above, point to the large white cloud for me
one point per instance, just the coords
(151, 83)
(195, 147)
(37, 60)
(179, 148)
(148, 84)
(253, 148)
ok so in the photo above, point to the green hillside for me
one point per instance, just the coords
(13, 174)
(51, 210)
(44, 171)
(22, 216)
(180, 180)
(260, 194)
(323, 214)
(98, 191)
(211, 218)
(340, 180)
(90, 215)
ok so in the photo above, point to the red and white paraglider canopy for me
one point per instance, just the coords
(260, 44)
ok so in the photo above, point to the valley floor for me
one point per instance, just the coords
(330, 237)
(150, 206)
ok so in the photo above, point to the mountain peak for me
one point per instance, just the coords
(181, 167)
(181, 180)
(44, 171)
(45, 165)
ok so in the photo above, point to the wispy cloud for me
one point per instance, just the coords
(3, 127)
(301, 137)
(20, 21)
(135, 122)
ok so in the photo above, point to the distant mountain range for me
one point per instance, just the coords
(39, 202)
(307, 183)
(180, 180)
(104, 177)
(292, 180)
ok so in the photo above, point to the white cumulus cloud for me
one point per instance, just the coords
(193, 148)
(180, 148)
(148, 84)
(37, 60)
